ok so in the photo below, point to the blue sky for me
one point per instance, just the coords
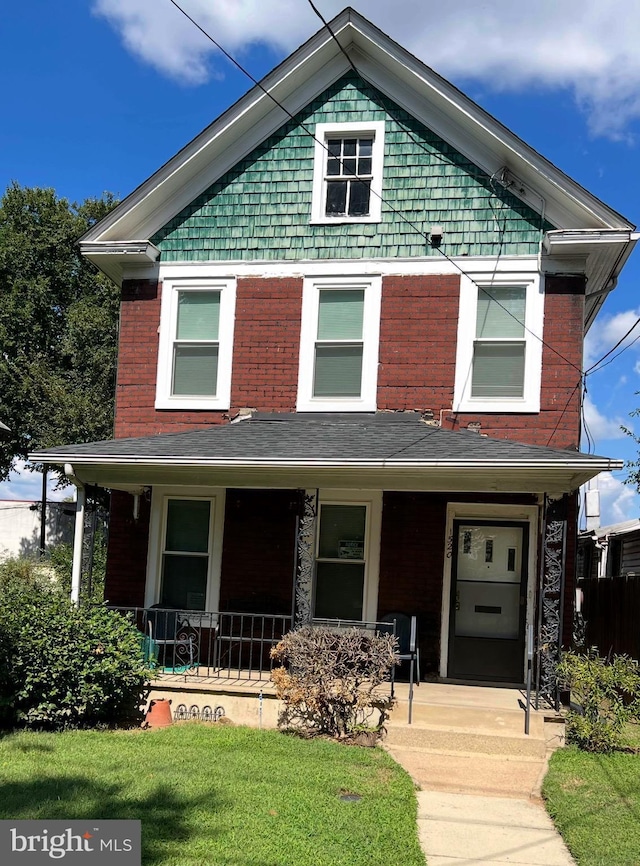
(97, 94)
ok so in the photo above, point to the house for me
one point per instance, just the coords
(349, 378)
(608, 588)
(21, 526)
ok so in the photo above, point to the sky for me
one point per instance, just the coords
(98, 94)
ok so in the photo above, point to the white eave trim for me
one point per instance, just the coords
(602, 465)
(141, 252)
(583, 240)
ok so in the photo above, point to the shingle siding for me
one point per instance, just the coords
(260, 209)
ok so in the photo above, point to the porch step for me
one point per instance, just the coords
(463, 742)
(479, 720)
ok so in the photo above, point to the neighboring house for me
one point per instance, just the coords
(20, 526)
(386, 291)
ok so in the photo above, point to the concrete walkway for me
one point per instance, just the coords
(479, 777)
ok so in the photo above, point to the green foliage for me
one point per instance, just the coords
(607, 694)
(329, 680)
(63, 666)
(60, 558)
(58, 325)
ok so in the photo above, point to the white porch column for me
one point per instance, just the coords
(78, 536)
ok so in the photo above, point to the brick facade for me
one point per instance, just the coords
(418, 335)
(127, 551)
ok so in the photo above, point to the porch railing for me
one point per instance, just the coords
(219, 644)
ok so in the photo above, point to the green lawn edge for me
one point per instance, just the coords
(218, 794)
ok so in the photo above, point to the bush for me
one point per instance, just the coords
(63, 666)
(330, 684)
(608, 697)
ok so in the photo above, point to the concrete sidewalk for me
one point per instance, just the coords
(479, 777)
(465, 829)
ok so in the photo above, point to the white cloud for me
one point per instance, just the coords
(587, 46)
(24, 485)
(599, 426)
(618, 501)
(605, 333)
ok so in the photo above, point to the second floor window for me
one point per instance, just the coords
(499, 347)
(339, 344)
(196, 344)
(499, 352)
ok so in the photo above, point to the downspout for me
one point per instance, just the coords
(78, 536)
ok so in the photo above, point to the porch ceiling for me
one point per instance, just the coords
(389, 451)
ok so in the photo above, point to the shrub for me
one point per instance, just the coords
(607, 694)
(63, 666)
(331, 681)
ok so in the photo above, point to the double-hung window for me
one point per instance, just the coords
(196, 339)
(499, 348)
(348, 172)
(499, 354)
(347, 556)
(185, 557)
(185, 548)
(339, 345)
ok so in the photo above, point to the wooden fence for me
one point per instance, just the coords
(611, 608)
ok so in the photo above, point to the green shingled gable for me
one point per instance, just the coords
(261, 208)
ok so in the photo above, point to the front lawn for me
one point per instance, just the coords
(595, 803)
(220, 795)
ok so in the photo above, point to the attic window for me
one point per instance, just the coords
(347, 183)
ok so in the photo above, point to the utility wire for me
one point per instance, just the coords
(416, 228)
(594, 367)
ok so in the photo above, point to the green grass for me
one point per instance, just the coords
(595, 803)
(219, 795)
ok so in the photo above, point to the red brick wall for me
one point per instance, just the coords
(259, 550)
(127, 551)
(558, 424)
(418, 331)
(266, 343)
(418, 335)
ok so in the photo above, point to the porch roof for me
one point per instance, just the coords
(385, 450)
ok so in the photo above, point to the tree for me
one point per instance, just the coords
(58, 325)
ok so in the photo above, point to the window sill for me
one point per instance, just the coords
(192, 403)
(335, 405)
(506, 407)
(341, 220)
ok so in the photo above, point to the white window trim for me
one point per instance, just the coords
(324, 131)
(168, 319)
(534, 321)
(157, 532)
(491, 513)
(372, 287)
(372, 499)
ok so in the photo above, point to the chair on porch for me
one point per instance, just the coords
(173, 641)
(406, 631)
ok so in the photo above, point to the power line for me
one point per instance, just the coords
(424, 235)
(594, 367)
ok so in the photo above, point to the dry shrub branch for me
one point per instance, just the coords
(331, 681)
